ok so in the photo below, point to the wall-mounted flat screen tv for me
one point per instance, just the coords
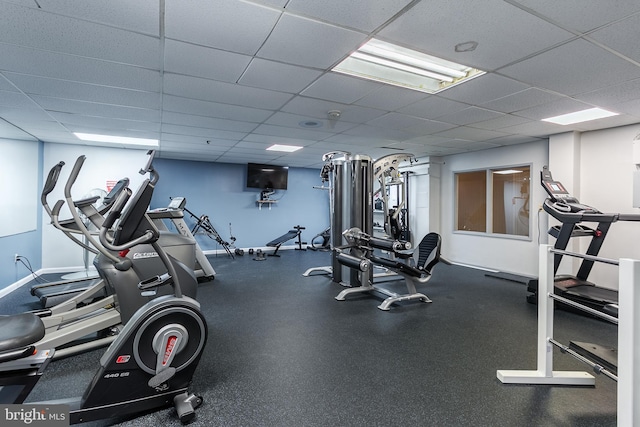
(267, 176)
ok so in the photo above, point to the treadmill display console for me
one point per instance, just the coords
(563, 201)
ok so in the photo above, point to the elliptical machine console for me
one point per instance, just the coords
(151, 362)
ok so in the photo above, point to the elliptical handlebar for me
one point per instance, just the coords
(74, 213)
(50, 184)
(74, 175)
(154, 176)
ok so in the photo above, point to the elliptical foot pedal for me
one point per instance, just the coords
(162, 377)
(186, 405)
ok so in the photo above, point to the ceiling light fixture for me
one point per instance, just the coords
(116, 139)
(580, 116)
(310, 124)
(507, 171)
(284, 148)
(392, 64)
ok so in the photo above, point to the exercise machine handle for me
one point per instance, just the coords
(74, 175)
(50, 183)
(360, 264)
(116, 209)
(390, 245)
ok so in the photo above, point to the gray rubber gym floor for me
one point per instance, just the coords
(283, 352)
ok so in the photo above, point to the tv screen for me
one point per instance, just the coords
(267, 176)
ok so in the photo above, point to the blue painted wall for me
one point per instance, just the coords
(27, 244)
(219, 191)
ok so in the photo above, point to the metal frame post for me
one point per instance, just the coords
(629, 343)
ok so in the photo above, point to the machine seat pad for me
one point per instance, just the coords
(280, 240)
(400, 267)
(20, 330)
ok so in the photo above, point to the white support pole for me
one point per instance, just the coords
(545, 373)
(629, 343)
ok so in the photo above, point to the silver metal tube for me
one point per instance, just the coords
(582, 307)
(585, 256)
(599, 369)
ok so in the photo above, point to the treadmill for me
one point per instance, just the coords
(572, 214)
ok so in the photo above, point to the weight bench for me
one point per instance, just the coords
(291, 234)
(428, 257)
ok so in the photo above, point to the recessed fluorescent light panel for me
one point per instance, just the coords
(284, 148)
(116, 139)
(391, 64)
(580, 116)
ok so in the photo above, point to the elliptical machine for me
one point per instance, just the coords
(150, 363)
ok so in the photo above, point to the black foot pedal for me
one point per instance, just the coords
(162, 377)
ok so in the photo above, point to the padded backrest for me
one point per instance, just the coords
(429, 251)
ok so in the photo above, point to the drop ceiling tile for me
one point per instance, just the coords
(294, 121)
(536, 129)
(6, 85)
(513, 139)
(552, 109)
(34, 28)
(252, 153)
(75, 68)
(483, 89)
(181, 139)
(470, 134)
(205, 133)
(616, 36)
(503, 121)
(390, 98)
(16, 100)
(612, 95)
(8, 131)
(629, 107)
(24, 116)
(271, 139)
(288, 132)
(573, 68)
(300, 41)
(224, 24)
(169, 117)
(582, 15)
(361, 14)
(354, 143)
(318, 109)
(222, 92)
(140, 15)
(69, 120)
(95, 109)
(527, 98)
(340, 88)
(213, 109)
(277, 76)
(470, 115)
(434, 28)
(200, 61)
(425, 140)
(409, 124)
(168, 154)
(42, 126)
(433, 107)
(379, 133)
(66, 89)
